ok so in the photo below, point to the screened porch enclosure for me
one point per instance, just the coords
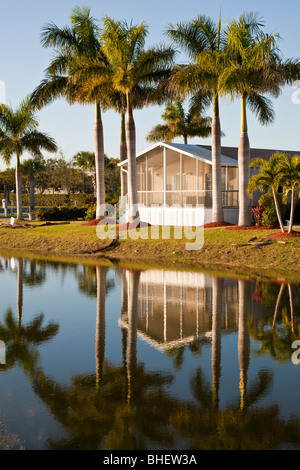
(168, 176)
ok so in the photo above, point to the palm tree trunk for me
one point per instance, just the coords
(84, 183)
(278, 210)
(217, 205)
(31, 197)
(133, 297)
(217, 285)
(244, 169)
(123, 153)
(243, 337)
(292, 210)
(99, 163)
(277, 305)
(100, 323)
(291, 307)
(6, 196)
(131, 156)
(20, 280)
(18, 189)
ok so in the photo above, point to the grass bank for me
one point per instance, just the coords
(234, 253)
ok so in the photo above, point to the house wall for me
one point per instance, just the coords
(181, 216)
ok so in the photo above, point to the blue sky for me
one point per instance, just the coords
(23, 61)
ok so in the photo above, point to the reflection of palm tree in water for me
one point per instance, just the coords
(100, 325)
(244, 338)
(277, 336)
(218, 285)
(237, 426)
(117, 407)
(20, 290)
(21, 340)
(133, 295)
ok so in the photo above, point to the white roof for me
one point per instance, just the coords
(194, 151)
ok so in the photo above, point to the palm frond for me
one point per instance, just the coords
(159, 133)
(262, 108)
(36, 141)
(50, 89)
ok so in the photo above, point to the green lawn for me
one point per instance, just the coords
(223, 250)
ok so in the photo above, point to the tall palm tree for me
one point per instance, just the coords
(267, 178)
(254, 68)
(31, 168)
(19, 134)
(132, 65)
(202, 40)
(117, 101)
(179, 123)
(81, 39)
(289, 179)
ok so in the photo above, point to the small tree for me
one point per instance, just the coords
(268, 178)
(86, 162)
(19, 134)
(289, 179)
(30, 168)
(179, 123)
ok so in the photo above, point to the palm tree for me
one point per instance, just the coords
(253, 69)
(19, 134)
(267, 178)
(204, 44)
(117, 102)
(79, 40)
(289, 179)
(179, 123)
(131, 65)
(31, 168)
(86, 162)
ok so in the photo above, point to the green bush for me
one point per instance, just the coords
(61, 213)
(269, 218)
(51, 200)
(91, 212)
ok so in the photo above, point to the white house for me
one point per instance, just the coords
(174, 185)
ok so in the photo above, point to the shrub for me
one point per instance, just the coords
(258, 211)
(61, 213)
(51, 200)
(269, 218)
(91, 212)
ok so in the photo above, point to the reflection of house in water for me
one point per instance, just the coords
(175, 308)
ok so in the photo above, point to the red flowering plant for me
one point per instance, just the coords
(90, 200)
(257, 211)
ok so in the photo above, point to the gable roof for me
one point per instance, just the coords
(195, 151)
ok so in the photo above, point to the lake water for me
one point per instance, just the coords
(110, 359)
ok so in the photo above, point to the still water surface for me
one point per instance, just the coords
(104, 358)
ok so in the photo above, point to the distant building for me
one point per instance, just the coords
(232, 152)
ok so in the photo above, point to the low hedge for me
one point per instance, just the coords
(51, 200)
(61, 213)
